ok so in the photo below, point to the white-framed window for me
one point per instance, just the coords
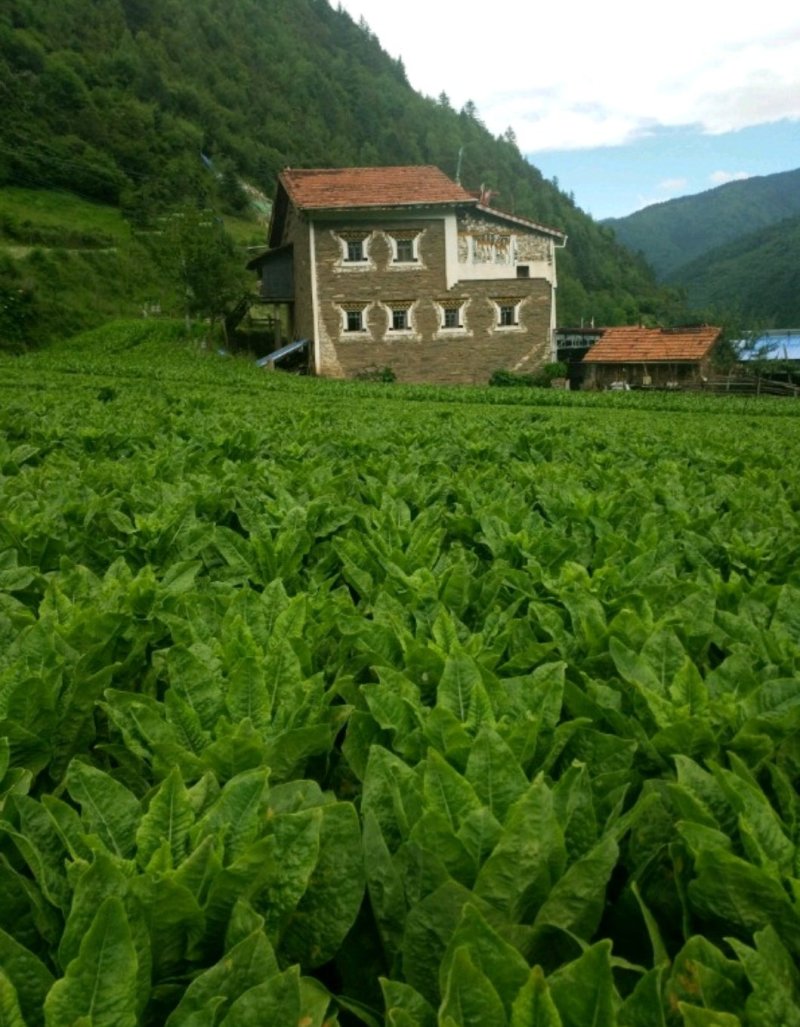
(451, 315)
(354, 248)
(405, 248)
(507, 311)
(354, 318)
(399, 319)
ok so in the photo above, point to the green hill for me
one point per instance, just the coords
(142, 105)
(672, 234)
(758, 274)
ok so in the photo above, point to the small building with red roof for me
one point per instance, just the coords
(403, 268)
(639, 357)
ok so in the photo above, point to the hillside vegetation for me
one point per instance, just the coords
(673, 234)
(117, 101)
(759, 273)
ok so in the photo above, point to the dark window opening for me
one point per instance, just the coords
(405, 251)
(507, 315)
(452, 317)
(355, 249)
(523, 271)
(355, 321)
(399, 320)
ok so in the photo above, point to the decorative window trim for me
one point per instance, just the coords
(446, 310)
(405, 247)
(396, 308)
(348, 312)
(347, 240)
(507, 314)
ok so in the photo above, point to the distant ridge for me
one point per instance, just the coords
(676, 232)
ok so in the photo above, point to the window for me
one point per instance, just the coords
(399, 319)
(523, 271)
(451, 317)
(355, 250)
(354, 320)
(405, 251)
(354, 246)
(507, 315)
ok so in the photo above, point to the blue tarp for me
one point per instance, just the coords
(284, 351)
(777, 344)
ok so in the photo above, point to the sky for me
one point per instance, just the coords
(625, 103)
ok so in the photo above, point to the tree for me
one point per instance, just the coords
(198, 257)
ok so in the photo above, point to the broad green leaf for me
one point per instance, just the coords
(385, 886)
(583, 991)
(501, 963)
(173, 918)
(469, 999)
(287, 873)
(459, 677)
(246, 966)
(644, 1007)
(575, 903)
(446, 791)
(329, 906)
(27, 974)
(108, 808)
(10, 1012)
(275, 1001)
(168, 819)
(234, 818)
(429, 927)
(494, 773)
(774, 978)
(402, 998)
(698, 1016)
(101, 982)
(528, 858)
(92, 885)
(246, 696)
(533, 1006)
(703, 976)
(392, 794)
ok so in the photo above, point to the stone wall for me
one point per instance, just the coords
(425, 351)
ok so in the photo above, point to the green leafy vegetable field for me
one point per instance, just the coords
(333, 703)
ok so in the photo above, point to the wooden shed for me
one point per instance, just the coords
(663, 358)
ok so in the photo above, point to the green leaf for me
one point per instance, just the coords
(169, 818)
(469, 999)
(109, 810)
(446, 791)
(276, 1001)
(534, 1006)
(92, 885)
(774, 978)
(528, 858)
(244, 967)
(331, 901)
(697, 1016)
(502, 964)
(101, 982)
(10, 1012)
(494, 773)
(385, 885)
(583, 991)
(429, 927)
(234, 818)
(402, 998)
(461, 674)
(27, 974)
(576, 902)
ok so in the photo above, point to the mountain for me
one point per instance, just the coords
(677, 232)
(757, 277)
(116, 100)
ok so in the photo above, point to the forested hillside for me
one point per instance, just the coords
(116, 100)
(758, 275)
(677, 232)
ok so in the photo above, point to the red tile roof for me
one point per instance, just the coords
(633, 345)
(337, 188)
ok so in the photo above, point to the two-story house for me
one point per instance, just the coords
(401, 267)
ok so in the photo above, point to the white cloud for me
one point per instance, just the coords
(673, 185)
(721, 177)
(603, 74)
